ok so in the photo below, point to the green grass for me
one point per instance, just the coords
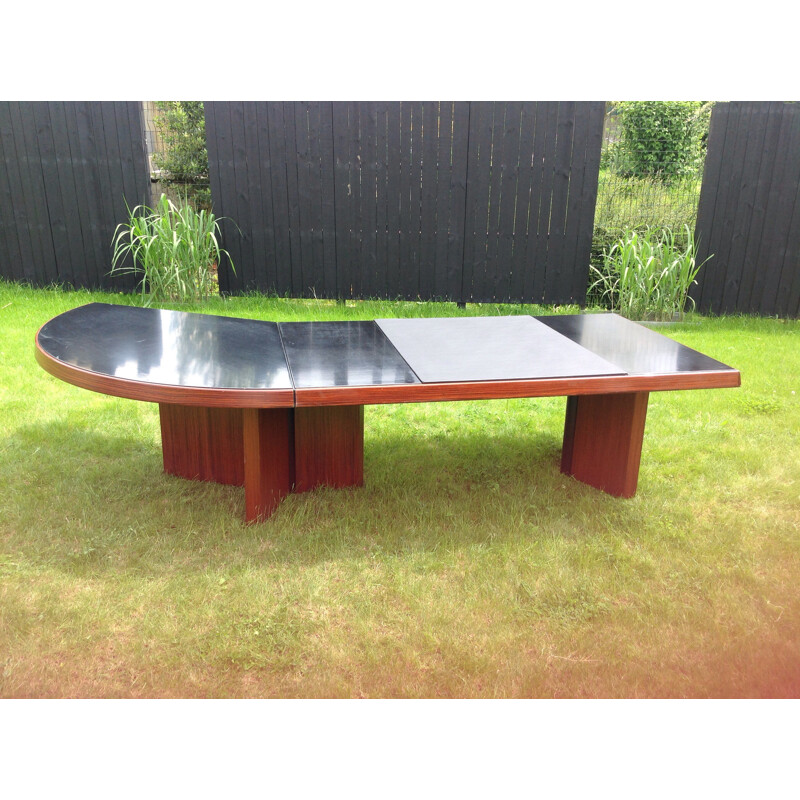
(645, 202)
(467, 566)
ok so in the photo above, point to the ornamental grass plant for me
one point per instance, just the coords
(174, 247)
(647, 274)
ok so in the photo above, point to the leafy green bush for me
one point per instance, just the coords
(175, 248)
(647, 275)
(184, 162)
(659, 139)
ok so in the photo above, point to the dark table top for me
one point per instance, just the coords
(168, 347)
(181, 349)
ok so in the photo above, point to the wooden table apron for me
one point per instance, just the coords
(276, 441)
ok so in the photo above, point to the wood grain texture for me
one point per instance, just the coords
(203, 443)
(329, 447)
(268, 460)
(487, 390)
(603, 437)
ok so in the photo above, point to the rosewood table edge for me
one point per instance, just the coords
(163, 393)
(488, 390)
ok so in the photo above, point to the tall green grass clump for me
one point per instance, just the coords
(647, 274)
(175, 248)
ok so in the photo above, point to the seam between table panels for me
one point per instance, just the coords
(288, 365)
(399, 354)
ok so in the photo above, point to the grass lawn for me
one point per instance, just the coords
(467, 566)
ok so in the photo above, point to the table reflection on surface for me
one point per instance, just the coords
(348, 353)
(633, 347)
(168, 347)
(181, 349)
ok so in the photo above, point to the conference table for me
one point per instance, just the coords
(278, 407)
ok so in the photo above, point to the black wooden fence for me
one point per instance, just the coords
(462, 201)
(66, 170)
(749, 213)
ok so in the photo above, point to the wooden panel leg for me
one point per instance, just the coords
(603, 436)
(329, 447)
(202, 443)
(268, 460)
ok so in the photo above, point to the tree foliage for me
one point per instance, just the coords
(184, 161)
(661, 139)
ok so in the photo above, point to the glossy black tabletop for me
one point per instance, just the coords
(323, 354)
(634, 348)
(455, 349)
(173, 348)
(182, 349)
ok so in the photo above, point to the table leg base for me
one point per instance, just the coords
(269, 451)
(268, 460)
(329, 447)
(274, 451)
(203, 443)
(603, 436)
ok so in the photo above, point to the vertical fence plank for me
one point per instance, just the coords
(413, 217)
(89, 143)
(556, 276)
(746, 217)
(477, 206)
(714, 271)
(343, 197)
(502, 268)
(65, 178)
(429, 132)
(381, 177)
(255, 182)
(368, 216)
(458, 199)
(442, 201)
(327, 199)
(10, 256)
(404, 198)
(33, 197)
(741, 213)
(310, 261)
(259, 159)
(735, 180)
(490, 207)
(59, 270)
(279, 198)
(761, 194)
(781, 237)
(15, 217)
(543, 183)
(583, 210)
(518, 263)
(788, 298)
(243, 188)
(301, 281)
(706, 208)
(220, 174)
(394, 170)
